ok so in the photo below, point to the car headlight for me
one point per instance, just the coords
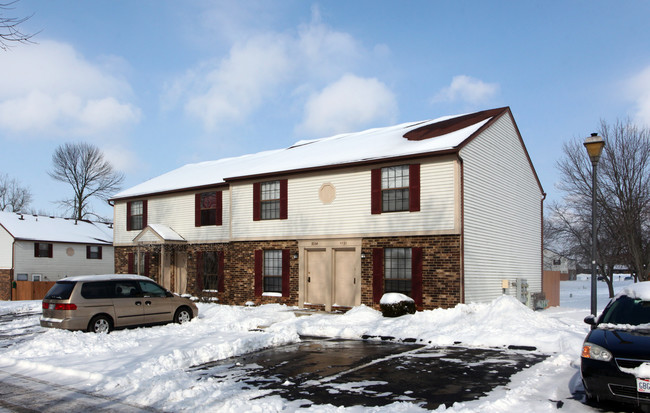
(595, 352)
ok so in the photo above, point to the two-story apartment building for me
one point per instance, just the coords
(41, 248)
(441, 210)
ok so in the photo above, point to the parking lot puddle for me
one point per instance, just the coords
(372, 373)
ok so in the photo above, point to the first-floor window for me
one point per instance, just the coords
(22, 277)
(211, 270)
(273, 271)
(140, 267)
(397, 270)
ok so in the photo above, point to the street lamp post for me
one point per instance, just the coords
(594, 145)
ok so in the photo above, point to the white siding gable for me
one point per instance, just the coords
(6, 249)
(502, 213)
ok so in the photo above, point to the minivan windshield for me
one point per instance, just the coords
(61, 290)
(627, 311)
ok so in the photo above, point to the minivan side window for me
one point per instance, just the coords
(150, 289)
(97, 290)
(126, 289)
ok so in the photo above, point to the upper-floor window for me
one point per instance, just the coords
(136, 215)
(395, 188)
(270, 200)
(43, 250)
(208, 209)
(397, 270)
(270, 197)
(94, 252)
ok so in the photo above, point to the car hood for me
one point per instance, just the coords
(623, 343)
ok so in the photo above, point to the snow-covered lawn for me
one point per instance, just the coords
(149, 366)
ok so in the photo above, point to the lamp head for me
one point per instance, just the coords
(594, 145)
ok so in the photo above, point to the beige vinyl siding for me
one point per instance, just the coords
(502, 214)
(349, 213)
(62, 264)
(175, 211)
(6, 249)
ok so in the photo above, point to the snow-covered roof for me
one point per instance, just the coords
(42, 228)
(414, 138)
(164, 232)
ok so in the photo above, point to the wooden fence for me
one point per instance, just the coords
(30, 290)
(551, 287)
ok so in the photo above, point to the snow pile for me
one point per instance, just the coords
(504, 322)
(639, 291)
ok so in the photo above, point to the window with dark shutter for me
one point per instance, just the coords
(93, 252)
(270, 200)
(43, 250)
(136, 215)
(208, 208)
(395, 188)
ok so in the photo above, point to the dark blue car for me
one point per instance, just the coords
(617, 347)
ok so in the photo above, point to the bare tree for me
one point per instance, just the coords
(13, 196)
(623, 202)
(82, 165)
(9, 31)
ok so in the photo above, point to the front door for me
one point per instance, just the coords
(317, 277)
(330, 273)
(180, 271)
(345, 278)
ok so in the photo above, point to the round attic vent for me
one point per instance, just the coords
(327, 193)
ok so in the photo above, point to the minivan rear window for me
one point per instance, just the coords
(100, 289)
(61, 290)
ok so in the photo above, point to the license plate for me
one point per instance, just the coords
(643, 385)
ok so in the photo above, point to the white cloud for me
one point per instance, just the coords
(260, 69)
(467, 89)
(231, 89)
(121, 158)
(639, 91)
(48, 89)
(348, 104)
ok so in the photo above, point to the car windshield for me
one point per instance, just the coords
(627, 311)
(60, 291)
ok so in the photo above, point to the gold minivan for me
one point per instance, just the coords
(100, 303)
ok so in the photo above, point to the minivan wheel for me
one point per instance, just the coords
(100, 324)
(183, 315)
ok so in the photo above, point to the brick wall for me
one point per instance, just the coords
(441, 268)
(5, 285)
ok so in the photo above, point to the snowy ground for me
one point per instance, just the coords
(149, 366)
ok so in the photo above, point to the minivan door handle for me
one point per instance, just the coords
(147, 302)
(138, 303)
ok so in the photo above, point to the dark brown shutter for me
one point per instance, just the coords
(414, 187)
(220, 283)
(37, 250)
(259, 267)
(416, 276)
(144, 214)
(219, 220)
(286, 273)
(147, 259)
(197, 210)
(131, 263)
(284, 198)
(199, 271)
(375, 191)
(128, 216)
(377, 274)
(100, 252)
(50, 250)
(87, 252)
(256, 201)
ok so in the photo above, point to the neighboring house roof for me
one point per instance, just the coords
(443, 135)
(41, 228)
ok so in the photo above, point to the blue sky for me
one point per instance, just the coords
(158, 84)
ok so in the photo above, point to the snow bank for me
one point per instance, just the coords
(503, 322)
